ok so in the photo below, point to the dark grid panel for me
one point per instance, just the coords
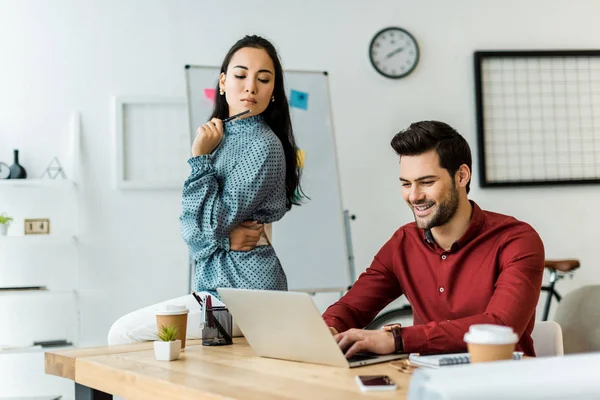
(538, 117)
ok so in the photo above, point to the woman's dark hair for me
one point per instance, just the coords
(277, 115)
(421, 137)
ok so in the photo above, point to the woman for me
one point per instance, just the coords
(244, 174)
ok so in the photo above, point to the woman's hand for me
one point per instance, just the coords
(245, 236)
(208, 137)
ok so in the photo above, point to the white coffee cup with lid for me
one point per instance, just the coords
(488, 342)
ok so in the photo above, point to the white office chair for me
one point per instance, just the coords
(547, 339)
(578, 314)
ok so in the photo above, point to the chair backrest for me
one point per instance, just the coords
(547, 339)
(578, 314)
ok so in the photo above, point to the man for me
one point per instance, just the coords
(456, 264)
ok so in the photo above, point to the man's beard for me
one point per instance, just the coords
(446, 210)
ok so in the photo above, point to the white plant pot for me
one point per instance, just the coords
(3, 229)
(167, 351)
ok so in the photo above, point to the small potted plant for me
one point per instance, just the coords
(168, 347)
(5, 221)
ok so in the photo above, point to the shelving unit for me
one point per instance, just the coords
(37, 183)
(33, 350)
(23, 376)
(47, 260)
(37, 239)
(40, 292)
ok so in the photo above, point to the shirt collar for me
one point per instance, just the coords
(243, 125)
(477, 219)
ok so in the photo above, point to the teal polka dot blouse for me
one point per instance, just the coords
(243, 179)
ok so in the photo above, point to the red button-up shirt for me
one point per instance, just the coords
(491, 275)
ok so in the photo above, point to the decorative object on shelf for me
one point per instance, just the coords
(38, 226)
(4, 170)
(168, 347)
(54, 169)
(5, 221)
(394, 52)
(16, 170)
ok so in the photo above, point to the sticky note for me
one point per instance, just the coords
(299, 99)
(210, 94)
(301, 156)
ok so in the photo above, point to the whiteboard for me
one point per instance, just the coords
(310, 240)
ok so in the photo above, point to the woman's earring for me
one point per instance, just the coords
(221, 92)
(272, 99)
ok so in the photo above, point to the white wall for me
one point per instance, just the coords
(65, 55)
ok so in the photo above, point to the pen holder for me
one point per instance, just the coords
(217, 327)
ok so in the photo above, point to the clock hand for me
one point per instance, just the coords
(393, 53)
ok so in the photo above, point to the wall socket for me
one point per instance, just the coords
(38, 226)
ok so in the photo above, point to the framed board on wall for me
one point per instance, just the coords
(151, 142)
(538, 117)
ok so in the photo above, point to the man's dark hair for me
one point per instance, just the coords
(421, 137)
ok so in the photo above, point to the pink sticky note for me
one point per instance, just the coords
(210, 94)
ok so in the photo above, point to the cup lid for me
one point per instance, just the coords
(171, 309)
(490, 334)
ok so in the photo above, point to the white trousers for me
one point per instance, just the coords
(140, 325)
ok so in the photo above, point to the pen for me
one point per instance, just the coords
(235, 116)
(198, 299)
(209, 312)
(202, 309)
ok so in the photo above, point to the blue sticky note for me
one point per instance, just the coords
(299, 99)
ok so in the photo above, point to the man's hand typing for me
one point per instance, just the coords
(354, 340)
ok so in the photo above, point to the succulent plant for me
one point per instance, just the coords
(168, 333)
(5, 219)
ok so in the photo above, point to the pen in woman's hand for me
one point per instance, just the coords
(236, 116)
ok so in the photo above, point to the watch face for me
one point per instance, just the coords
(4, 171)
(394, 52)
(389, 327)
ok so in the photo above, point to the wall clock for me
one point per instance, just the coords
(394, 52)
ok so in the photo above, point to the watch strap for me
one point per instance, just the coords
(398, 343)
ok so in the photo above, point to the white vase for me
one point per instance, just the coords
(3, 229)
(167, 351)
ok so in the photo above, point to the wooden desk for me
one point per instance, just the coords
(202, 372)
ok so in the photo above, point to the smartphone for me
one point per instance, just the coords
(368, 383)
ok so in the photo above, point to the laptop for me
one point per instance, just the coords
(288, 326)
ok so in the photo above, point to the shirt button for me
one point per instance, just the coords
(441, 290)
(443, 256)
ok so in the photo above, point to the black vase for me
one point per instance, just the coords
(16, 170)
